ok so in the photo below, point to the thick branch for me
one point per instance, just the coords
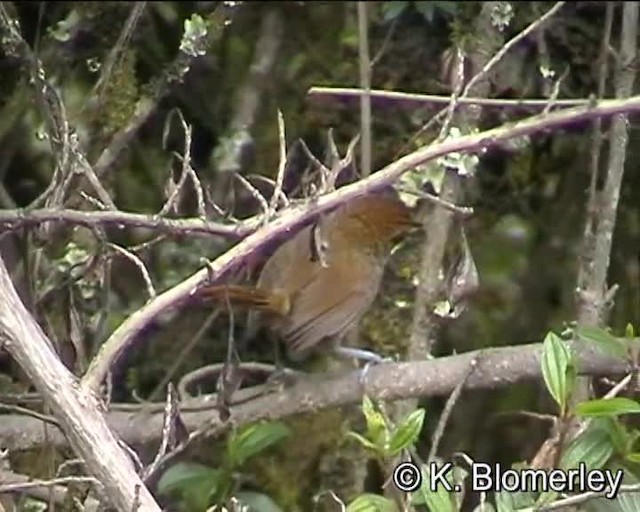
(289, 219)
(496, 368)
(77, 410)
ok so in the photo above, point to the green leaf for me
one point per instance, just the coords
(593, 447)
(377, 431)
(183, 474)
(406, 434)
(194, 483)
(621, 439)
(440, 500)
(371, 503)
(257, 501)
(365, 442)
(608, 407)
(556, 360)
(629, 332)
(509, 501)
(253, 439)
(603, 339)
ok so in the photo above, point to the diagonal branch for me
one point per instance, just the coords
(289, 219)
(77, 410)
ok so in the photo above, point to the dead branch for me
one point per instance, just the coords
(496, 368)
(13, 219)
(77, 409)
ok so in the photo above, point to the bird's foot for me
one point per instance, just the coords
(362, 355)
(369, 358)
(281, 378)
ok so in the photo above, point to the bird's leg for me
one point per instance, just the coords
(279, 376)
(361, 354)
(370, 358)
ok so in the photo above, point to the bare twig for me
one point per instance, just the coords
(288, 220)
(463, 211)
(56, 492)
(410, 98)
(490, 64)
(365, 85)
(19, 487)
(28, 412)
(184, 353)
(446, 413)
(282, 165)
(151, 291)
(119, 47)
(255, 193)
(571, 501)
(13, 219)
(77, 411)
(174, 73)
(535, 25)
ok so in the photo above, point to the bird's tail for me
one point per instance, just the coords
(248, 297)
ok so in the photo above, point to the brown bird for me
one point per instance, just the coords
(320, 282)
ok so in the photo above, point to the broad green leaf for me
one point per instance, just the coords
(510, 501)
(183, 474)
(194, 483)
(440, 500)
(253, 439)
(406, 434)
(593, 447)
(371, 503)
(257, 501)
(603, 339)
(556, 360)
(621, 439)
(608, 407)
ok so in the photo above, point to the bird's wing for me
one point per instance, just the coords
(330, 304)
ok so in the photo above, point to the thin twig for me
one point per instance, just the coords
(571, 501)
(118, 47)
(535, 25)
(463, 211)
(282, 165)
(172, 74)
(14, 219)
(491, 63)
(448, 408)
(365, 85)
(29, 412)
(255, 193)
(409, 98)
(18, 487)
(184, 353)
(141, 266)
